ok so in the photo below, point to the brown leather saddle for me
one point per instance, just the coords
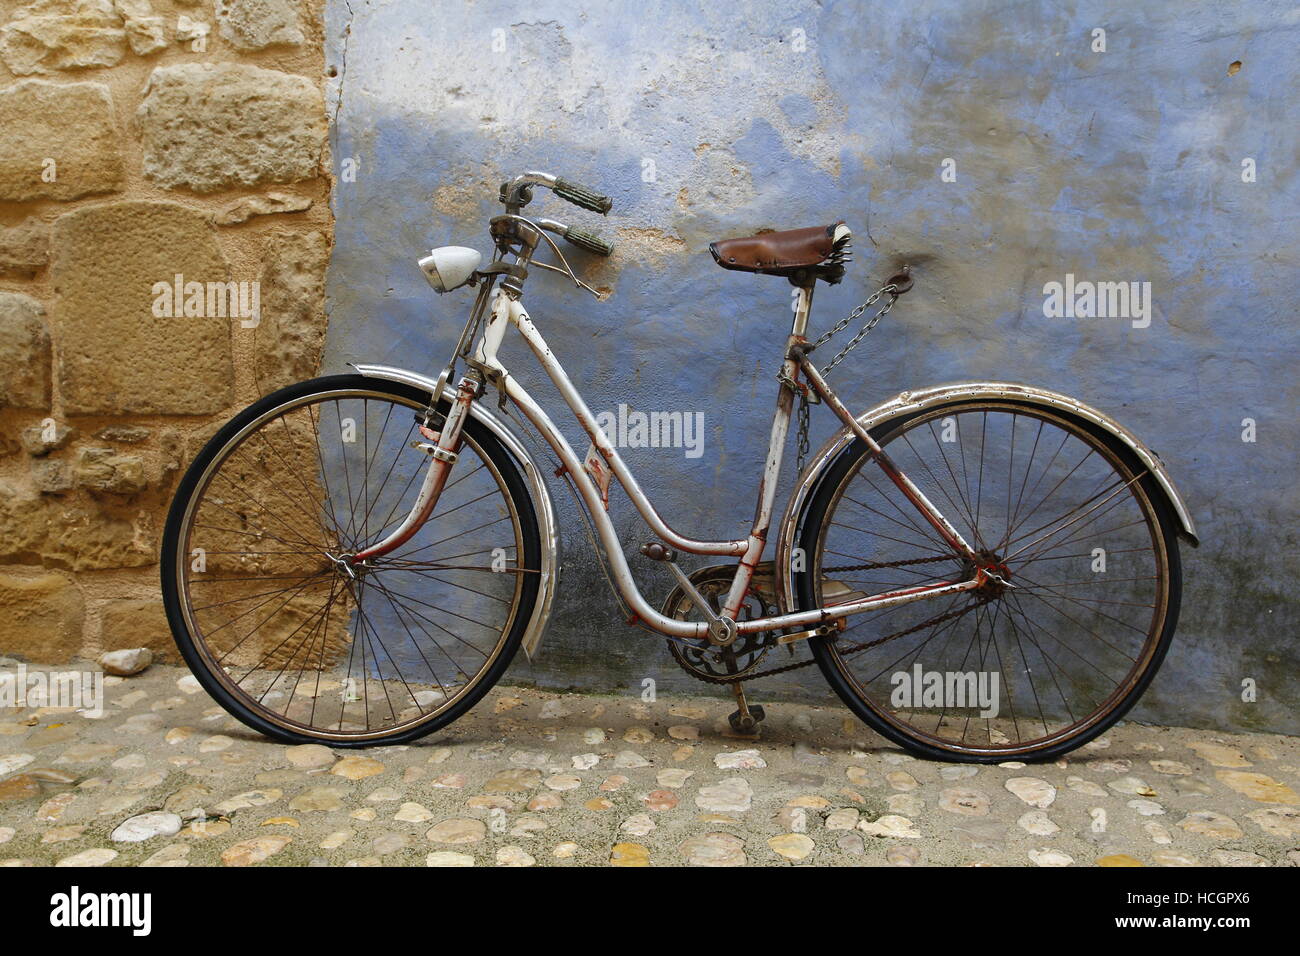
(801, 255)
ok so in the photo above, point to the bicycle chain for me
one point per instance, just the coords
(876, 565)
(845, 652)
(856, 648)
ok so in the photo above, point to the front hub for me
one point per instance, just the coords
(347, 565)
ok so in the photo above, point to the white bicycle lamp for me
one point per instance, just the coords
(450, 267)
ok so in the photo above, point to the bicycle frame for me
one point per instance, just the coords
(507, 310)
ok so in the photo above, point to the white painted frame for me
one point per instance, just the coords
(508, 311)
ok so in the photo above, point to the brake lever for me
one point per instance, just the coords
(588, 241)
(601, 296)
(550, 225)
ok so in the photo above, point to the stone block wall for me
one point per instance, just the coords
(144, 145)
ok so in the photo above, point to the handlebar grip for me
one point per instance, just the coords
(590, 241)
(582, 196)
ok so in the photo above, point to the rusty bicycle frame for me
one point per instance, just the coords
(520, 236)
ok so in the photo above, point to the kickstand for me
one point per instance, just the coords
(744, 722)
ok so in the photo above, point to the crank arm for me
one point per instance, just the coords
(722, 630)
(693, 593)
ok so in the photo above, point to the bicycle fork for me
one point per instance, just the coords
(442, 451)
(444, 446)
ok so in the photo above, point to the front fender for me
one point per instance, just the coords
(906, 403)
(541, 495)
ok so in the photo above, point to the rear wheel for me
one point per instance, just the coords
(1029, 667)
(290, 637)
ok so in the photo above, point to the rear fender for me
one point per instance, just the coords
(909, 402)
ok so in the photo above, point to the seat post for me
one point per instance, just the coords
(802, 308)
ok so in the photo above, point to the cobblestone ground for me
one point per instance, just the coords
(166, 778)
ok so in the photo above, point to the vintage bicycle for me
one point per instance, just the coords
(982, 571)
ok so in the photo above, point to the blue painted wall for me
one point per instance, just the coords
(1121, 165)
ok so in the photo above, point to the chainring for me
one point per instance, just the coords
(705, 661)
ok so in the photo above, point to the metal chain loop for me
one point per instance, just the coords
(889, 289)
(880, 565)
(939, 619)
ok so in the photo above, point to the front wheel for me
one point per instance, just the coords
(1026, 667)
(293, 639)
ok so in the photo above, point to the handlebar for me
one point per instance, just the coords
(578, 237)
(589, 241)
(582, 196)
(518, 192)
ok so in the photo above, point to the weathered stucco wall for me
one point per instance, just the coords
(710, 121)
(141, 139)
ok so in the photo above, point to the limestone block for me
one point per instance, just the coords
(114, 265)
(242, 210)
(257, 24)
(209, 126)
(188, 29)
(24, 249)
(145, 32)
(147, 35)
(24, 353)
(57, 141)
(51, 35)
(39, 440)
(84, 539)
(35, 529)
(41, 616)
(103, 469)
(52, 476)
(134, 622)
(23, 529)
(292, 331)
(128, 434)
